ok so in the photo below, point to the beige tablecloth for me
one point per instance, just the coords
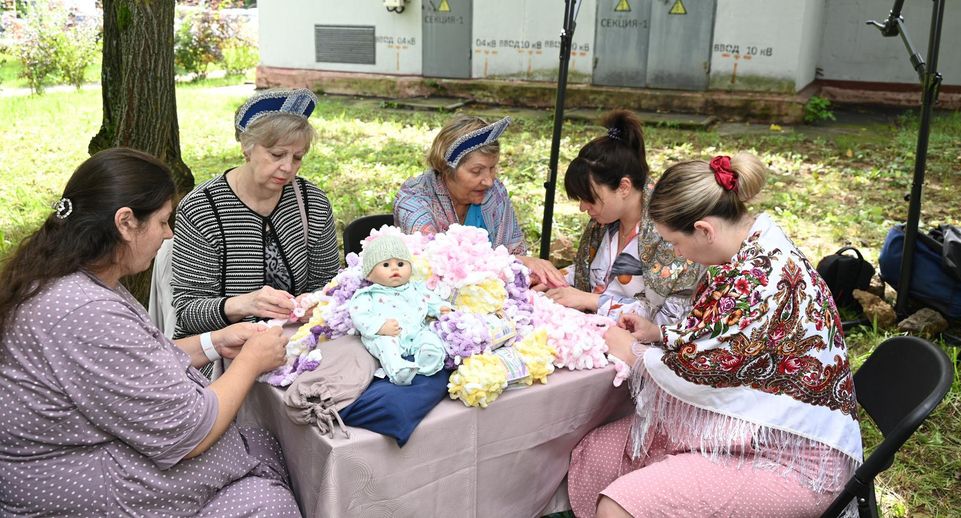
(507, 460)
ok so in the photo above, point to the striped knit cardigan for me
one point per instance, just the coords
(218, 249)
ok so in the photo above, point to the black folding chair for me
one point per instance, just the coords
(899, 385)
(360, 228)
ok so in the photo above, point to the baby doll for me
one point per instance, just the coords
(390, 313)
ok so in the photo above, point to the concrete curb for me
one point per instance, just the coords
(730, 106)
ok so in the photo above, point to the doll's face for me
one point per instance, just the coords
(392, 272)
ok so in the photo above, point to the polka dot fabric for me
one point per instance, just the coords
(99, 409)
(675, 483)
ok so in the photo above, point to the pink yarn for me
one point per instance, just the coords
(577, 337)
(461, 257)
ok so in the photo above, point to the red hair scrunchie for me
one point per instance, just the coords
(723, 174)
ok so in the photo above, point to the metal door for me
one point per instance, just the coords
(620, 42)
(447, 37)
(679, 53)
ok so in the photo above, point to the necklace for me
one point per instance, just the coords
(627, 232)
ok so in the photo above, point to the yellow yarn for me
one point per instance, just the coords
(484, 297)
(316, 319)
(482, 377)
(537, 354)
(421, 270)
(478, 381)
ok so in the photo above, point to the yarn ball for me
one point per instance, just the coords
(486, 296)
(490, 290)
(538, 355)
(464, 335)
(478, 381)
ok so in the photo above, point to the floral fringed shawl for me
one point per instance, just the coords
(759, 366)
(669, 281)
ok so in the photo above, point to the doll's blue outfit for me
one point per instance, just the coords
(409, 305)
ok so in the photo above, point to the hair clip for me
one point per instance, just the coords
(614, 133)
(474, 140)
(63, 208)
(299, 102)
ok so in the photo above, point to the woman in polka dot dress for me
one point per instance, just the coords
(102, 415)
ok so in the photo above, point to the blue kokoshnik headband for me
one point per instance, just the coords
(298, 102)
(474, 140)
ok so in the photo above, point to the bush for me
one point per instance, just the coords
(37, 49)
(206, 37)
(79, 47)
(3, 60)
(54, 44)
(818, 109)
(239, 57)
(197, 42)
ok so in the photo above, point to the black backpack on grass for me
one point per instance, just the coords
(844, 274)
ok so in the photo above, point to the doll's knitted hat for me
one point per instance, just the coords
(382, 249)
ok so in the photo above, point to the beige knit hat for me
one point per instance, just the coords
(382, 249)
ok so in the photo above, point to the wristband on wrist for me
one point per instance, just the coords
(207, 343)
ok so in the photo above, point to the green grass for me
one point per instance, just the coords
(826, 192)
(10, 72)
(925, 478)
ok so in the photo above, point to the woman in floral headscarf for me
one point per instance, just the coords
(744, 408)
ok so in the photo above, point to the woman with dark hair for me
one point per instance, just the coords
(621, 262)
(101, 413)
(745, 407)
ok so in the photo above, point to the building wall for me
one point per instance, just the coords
(809, 47)
(854, 51)
(287, 34)
(751, 51)
(526, 43)
(760, 45)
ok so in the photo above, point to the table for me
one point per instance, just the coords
(506, 460)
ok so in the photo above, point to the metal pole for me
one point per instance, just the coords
(567, 34)
(930, 82)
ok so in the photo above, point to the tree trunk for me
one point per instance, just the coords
(139, 96)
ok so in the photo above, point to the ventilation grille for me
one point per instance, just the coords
(344, 44)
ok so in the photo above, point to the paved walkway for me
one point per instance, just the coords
(241, 89)
(18, 91)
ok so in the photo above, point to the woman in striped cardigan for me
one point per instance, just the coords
(249, 241)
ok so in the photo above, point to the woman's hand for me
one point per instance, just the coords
(264, 351)
(543, 274)
(230, 340)
(266, 302)
(620, 343)
(642, 329)
(574, 298)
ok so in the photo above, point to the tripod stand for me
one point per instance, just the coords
(930, 82)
